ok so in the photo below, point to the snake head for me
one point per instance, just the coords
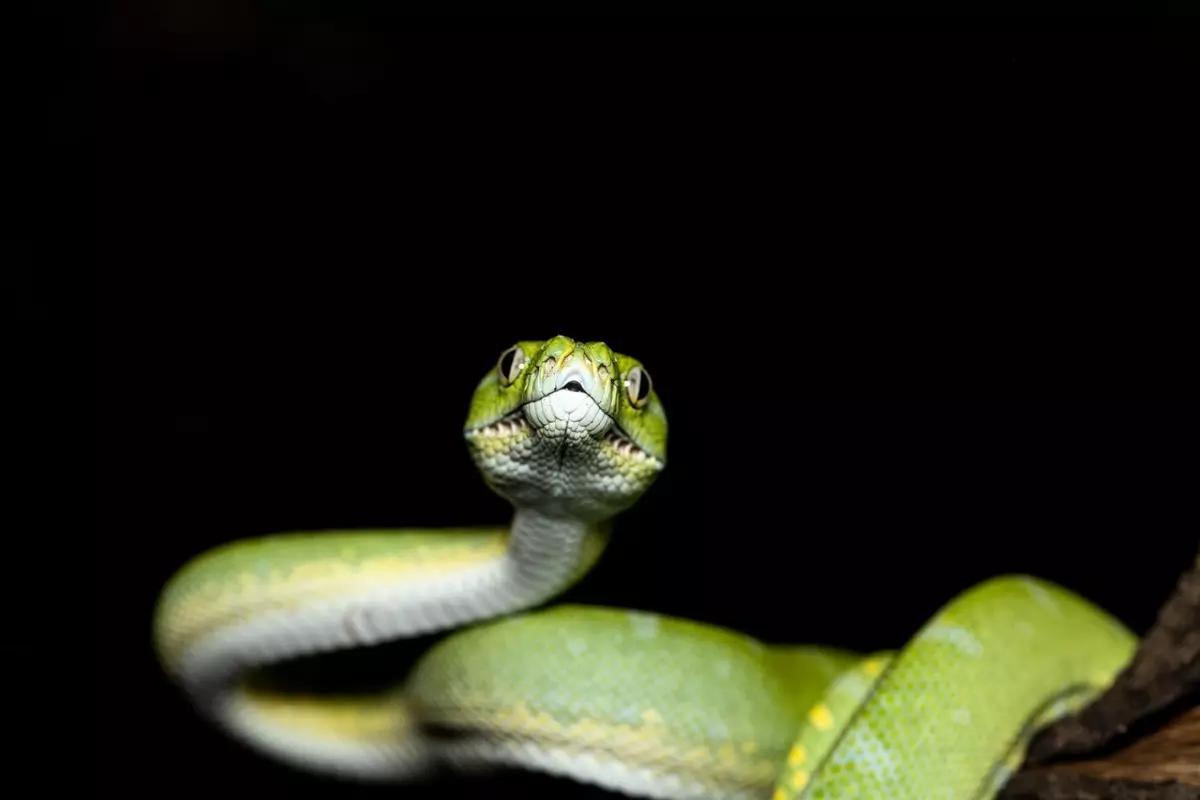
(568, 427)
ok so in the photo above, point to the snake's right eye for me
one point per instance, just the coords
(637, 386)
(512, 361)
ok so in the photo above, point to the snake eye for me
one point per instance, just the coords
(511, 363)
(637, 386)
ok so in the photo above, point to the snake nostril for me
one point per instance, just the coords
(573, 386)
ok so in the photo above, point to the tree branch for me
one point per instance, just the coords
(1140, 740)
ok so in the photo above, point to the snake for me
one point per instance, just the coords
(572, 434)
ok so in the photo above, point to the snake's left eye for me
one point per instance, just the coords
(637, 386)
(510, 364)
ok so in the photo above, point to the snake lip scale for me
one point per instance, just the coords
(572, 434)
(516, 421)
(506, 425)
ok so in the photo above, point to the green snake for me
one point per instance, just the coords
(572, 434)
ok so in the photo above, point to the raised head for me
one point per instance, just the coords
(568, 427)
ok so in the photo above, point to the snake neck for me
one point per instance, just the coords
(543, 555)
(546, 554)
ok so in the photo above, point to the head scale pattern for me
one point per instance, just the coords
(571, 428)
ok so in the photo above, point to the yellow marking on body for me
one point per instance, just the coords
(797, 755)
(590, 729)
(339, 720)
(799, 779)
(821, 717)
(873, 667)
(780, 794)
(649, 744)
(749, 748)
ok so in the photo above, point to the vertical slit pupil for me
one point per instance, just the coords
(643, 386)
(506, 362)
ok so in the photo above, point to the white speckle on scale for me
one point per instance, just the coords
(645, 626)
(1043, 597)
(577, 646)
(959, 638)
(628, 715)
(863, 749)
(961, 716)
(724, 668)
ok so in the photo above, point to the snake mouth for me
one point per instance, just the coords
(511, 423)
(624, 445)
(515, 422)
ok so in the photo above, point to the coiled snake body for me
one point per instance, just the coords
(571, 434)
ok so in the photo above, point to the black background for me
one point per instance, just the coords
(838, 257)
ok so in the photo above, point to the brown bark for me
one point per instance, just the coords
(1140, 740)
